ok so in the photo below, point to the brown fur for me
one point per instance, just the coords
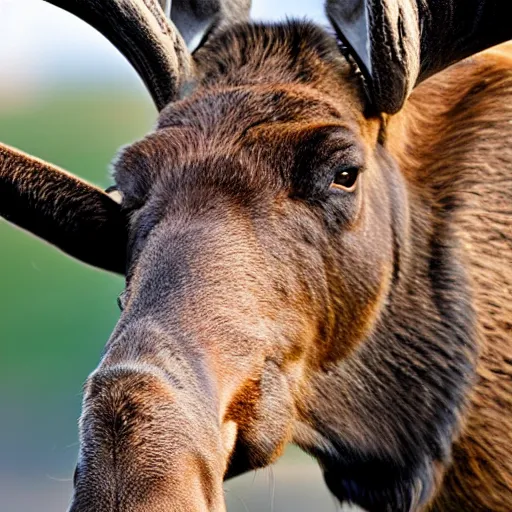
(460, 122)
(279, 97)
(370, 327)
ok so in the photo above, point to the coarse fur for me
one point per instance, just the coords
(381, 403)
(371, 326)
(460, 122)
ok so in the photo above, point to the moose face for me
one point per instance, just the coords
(261, 242)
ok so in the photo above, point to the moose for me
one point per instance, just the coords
(317, 245)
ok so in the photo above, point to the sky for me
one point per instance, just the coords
(41, 44)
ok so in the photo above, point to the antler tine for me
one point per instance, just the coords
(142, 32)
(194, 18)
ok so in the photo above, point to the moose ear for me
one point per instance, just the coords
(399, 43)
(67, 212)
(195, 18)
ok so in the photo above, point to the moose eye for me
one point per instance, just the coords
(346, 178)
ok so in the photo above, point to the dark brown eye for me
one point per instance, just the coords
(346, 178)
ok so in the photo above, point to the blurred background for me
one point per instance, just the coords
(70, 98)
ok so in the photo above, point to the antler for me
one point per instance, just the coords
(142, 32)
(399, 43)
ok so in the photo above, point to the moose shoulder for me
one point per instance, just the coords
(304, 268)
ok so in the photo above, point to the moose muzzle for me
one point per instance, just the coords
(193, 374)
(147, 445)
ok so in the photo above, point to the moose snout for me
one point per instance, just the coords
(198, 380)
(146, 447)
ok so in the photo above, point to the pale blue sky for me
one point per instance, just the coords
(40, 44)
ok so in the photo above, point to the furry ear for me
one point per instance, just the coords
(195, 18)
(67, 212)
(399, 43)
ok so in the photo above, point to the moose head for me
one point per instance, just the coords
(286, 280)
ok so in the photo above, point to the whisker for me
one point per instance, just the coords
(239, 498)
(272, 482)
